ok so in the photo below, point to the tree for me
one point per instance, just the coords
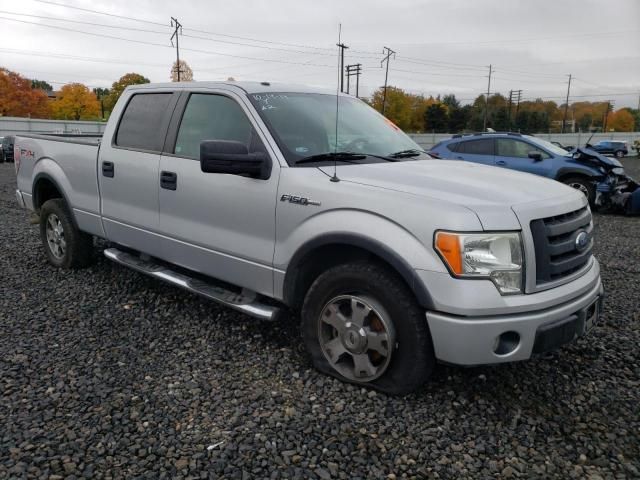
(451, 101)
(186, 74)
(19, 99)
(621, 121)
(459, 118)
(76, 102)
(41, 85)
(398, 108)
(435, 118)
(118, 87)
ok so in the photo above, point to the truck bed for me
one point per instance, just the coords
(74, 158)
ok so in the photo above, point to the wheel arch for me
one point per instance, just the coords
(569, 172)
(331, 249)
(44, 188)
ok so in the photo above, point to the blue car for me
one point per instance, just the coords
(583, 169)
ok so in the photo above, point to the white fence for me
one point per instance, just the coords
(428, 140)
(16, 126)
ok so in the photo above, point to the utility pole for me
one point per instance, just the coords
(351, 71)
(342, 47)
(388, 52)
(509, 113)
(518, 97)
(486, 103)
(566, 104)
(177, 26)
(606, 115)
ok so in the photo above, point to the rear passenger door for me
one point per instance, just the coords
(221, 225)
(128, 175)
(514, 154)
(478, 151)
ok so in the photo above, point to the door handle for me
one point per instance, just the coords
(459, 158)
(168, 180)
(502, 163)
(108, 170)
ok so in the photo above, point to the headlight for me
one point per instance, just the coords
(495, 256)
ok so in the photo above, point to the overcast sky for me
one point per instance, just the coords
(443, 46)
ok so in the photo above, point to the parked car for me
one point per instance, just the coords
(602, 179)
(251, 194)
(7, 148)
(636, 146)
(610, 147)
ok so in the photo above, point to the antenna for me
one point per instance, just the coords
(335, 143)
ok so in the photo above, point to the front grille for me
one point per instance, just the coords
(554, 239)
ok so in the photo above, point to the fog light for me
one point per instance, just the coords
(506, 343)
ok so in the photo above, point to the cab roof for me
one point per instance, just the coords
(247, 87)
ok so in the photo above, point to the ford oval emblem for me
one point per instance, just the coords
(582, 241)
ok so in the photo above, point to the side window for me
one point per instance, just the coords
(213, 117)
(140, 122)
(477, 147)
(516, 148)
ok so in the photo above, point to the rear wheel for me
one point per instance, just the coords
(362, 325)
(583, 184)
(619, 154)
(64, 245)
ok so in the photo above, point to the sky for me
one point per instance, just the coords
(442, 46)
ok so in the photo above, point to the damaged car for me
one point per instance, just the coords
(602, 179)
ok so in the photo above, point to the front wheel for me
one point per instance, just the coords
(583, 184)
(64, 245)
(361, 324)
(619, 154)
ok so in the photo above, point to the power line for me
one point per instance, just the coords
(100, 13)
(143, 42)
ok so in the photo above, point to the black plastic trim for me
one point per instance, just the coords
(36, 200)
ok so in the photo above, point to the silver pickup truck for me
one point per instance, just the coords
(253, 195)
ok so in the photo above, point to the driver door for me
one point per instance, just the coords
(221, 225)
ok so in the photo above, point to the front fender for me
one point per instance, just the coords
(368, 231)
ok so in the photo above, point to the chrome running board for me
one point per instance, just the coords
(245, 301)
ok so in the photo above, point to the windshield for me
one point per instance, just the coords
(556, 150)
(304, 124)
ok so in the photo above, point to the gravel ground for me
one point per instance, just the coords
(105, 373)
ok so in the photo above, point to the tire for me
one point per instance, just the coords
(65, 246)
(584, 184)
(619, 154)
(2, 159)
(385, 307)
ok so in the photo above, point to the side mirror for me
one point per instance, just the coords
(535, 156)
(225, 156)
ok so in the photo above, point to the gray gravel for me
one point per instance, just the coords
(105, 373)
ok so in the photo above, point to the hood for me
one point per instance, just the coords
(592, 155)
(490, 192)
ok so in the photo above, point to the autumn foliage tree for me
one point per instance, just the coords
(118, 87)
(19, 99)
(76, 102)
(621, 121)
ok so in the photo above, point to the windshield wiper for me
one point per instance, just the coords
(411, 152)
(331, 156)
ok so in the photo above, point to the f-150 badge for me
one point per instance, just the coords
(298, 200)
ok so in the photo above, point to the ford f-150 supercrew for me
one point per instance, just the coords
(268, 197)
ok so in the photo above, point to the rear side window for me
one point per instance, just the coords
(140, 123)
(212, 117)
(476, 147)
